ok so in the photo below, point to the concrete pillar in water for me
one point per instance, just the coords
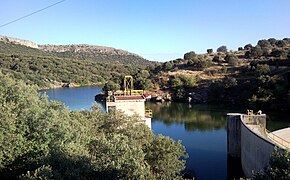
(234, 134)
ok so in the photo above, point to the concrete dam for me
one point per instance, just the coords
(249, 139)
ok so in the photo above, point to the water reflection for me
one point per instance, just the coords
(198, 117)
(202, 130)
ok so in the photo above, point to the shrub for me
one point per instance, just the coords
(255, 52)
(272, 41)
(262, 69)
(175, 82)
(264, 43)
(279, 53)
(232, 59)
(209, 51)
(278, 168)
(222, 49)
(200, 64)
(248, 47)
(216, 59)
(189, 81)
(281, 43)
(189, 55)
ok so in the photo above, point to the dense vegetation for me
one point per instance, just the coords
(44, 140)
(40, 68)
(256, 76)
(278, 168)
(44, 71)
(101, 57)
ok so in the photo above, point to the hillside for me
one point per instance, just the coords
(61, 65)
(253, 76)
(74, 51)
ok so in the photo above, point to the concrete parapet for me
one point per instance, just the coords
(256, 149)
(234, 134)
(247, 139)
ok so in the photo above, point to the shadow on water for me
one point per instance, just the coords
(234, 168)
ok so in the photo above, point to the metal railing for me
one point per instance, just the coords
(255, 120)
(260, 121)
(278, 140)
(126, 93)
(134, 92)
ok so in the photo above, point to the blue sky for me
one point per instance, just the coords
(155, 29)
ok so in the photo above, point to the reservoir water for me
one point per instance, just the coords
(201, 128)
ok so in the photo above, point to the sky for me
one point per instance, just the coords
(159, 30)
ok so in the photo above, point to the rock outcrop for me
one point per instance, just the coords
(74, 48)
(18, 41)
(77, 48)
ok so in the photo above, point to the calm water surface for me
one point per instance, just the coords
(75, 98)
(201, 128)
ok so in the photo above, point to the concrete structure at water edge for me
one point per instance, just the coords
(249, 139)
(129, 101)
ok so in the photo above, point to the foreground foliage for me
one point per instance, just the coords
(42, 139)
(278, 168)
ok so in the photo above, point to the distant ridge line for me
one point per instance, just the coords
(70, 47)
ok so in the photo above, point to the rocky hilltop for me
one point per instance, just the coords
(77, 48)
(18, 41)
(72, 48)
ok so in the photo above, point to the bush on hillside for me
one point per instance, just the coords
(222, 49)
(232, 59)
(190, 55)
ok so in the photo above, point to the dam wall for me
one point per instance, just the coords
(247, 139)
(256, 149)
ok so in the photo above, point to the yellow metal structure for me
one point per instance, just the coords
(148, 113)
(128, 89)
(129, 101)
(128, 83)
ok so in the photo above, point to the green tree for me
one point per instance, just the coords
(216, 59)
(189, 55)
(143, 84)
(281, 43)
(176, 82)
(264, 43)
(111, 86)
(278, 168)
(189, 81)
(199, 64)
(44, 140)
(164, 159)
(256, 52)
(272, 41)
(287, 40)
(222, 49)
(209, 51)
(232, 59)
(262, 69)
(248, 47)
(167, 66)
(279, 53)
